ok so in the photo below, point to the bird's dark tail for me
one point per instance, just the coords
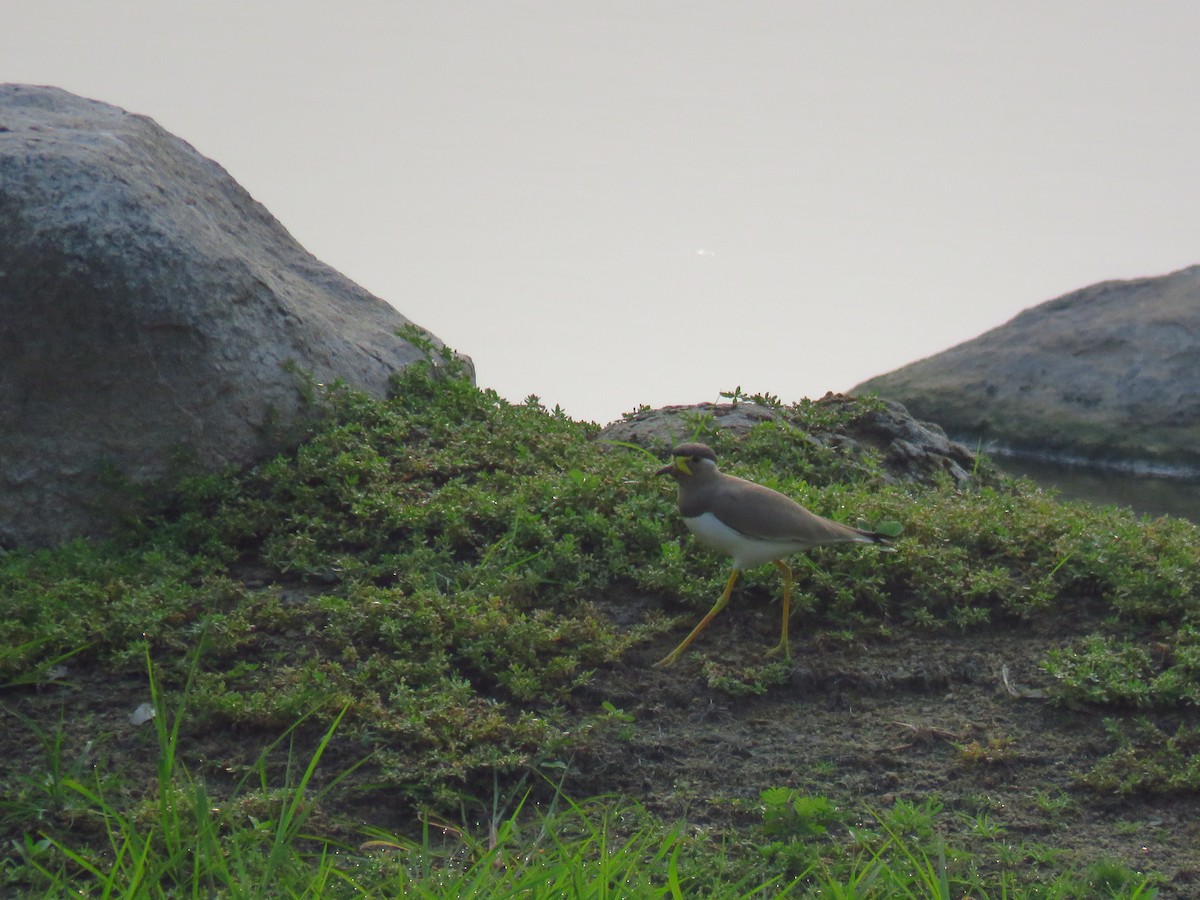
(883, 534)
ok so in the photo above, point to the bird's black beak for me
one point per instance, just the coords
(674, 467)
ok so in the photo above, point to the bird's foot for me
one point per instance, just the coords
(780, 649)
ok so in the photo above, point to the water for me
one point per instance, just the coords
(1143, 494)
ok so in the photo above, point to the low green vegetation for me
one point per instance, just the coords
(365, 657)
(262, 839)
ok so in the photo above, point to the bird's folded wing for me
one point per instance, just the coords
(760, 512)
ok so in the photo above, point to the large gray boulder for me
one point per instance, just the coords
(151, 314)
(1106, 376)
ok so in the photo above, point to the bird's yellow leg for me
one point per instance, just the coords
(717, 607)
(786, 571)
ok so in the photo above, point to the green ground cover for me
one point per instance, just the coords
(369, 660)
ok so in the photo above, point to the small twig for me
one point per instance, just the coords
(1020, 693)
(924, 733)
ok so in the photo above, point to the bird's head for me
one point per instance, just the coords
(689, 461)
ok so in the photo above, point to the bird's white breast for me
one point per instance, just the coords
(747, 552)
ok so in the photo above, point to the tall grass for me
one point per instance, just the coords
(180, 841)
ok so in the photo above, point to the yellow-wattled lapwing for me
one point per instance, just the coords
(753, 524)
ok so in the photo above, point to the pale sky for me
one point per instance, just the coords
(615, 203)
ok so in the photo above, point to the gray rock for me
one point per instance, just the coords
(151, 313)
(911, 451)
(663, 428)
(1107, 376)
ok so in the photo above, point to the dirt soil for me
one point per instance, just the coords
(872, 722)
(863, 724)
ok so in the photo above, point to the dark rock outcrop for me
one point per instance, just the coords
(663, 428)
(150, 311)
(910, 451)
(1107, 376)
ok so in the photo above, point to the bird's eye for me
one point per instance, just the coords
(695, 458)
